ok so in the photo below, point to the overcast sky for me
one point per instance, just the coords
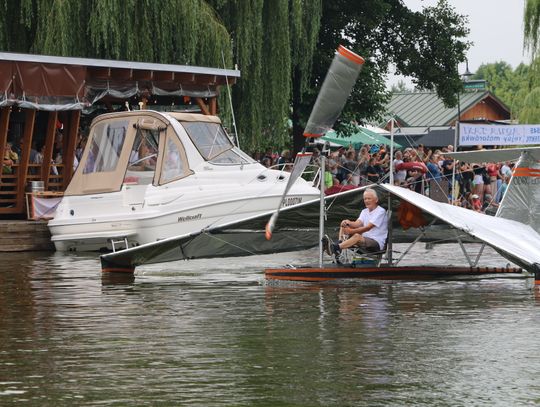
(496, 29)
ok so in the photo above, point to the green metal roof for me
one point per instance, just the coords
(426, 109)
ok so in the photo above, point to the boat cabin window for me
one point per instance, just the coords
(174, 165)
(144, 152)
(213, 143)
(106, 146)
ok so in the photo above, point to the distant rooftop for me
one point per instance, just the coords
(417, 109)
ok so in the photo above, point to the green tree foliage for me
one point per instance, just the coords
(516, 88)
(246, 28)
(531, 19)
(425, 45)
(530, 111)
(273, 46)
(399, 87)
(500, 77)
(282, 47)
(505, 83)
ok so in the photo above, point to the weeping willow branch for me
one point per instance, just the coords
(531, 21)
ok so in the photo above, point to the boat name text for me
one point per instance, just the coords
(189, 218)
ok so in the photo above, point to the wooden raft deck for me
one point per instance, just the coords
(24, 235)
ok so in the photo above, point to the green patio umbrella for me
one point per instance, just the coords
(360, 137)
(381, 139)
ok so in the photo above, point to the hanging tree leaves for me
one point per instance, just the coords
(530, 112)
(268, 40)
(282, 47)
(531, 19)
(243, 18)
(305, 25)
(276, 68)
(274, 43)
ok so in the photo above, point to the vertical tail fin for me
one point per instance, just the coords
(521, 202)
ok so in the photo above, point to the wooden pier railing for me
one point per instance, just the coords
(12, 195)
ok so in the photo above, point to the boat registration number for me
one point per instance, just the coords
(292, 201)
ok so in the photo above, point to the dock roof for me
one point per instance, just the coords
(66, 83)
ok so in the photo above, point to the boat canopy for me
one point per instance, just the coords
(144, 147)
(125, 148)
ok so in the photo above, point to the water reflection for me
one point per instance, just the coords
(214, 333)
(115, 279)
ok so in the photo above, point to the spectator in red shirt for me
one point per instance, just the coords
(476, 203)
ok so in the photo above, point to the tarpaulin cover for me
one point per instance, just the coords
(59, 86)
(521, 202)
(6, 83)
(47, 86)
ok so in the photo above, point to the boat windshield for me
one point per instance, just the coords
(143, 156)
(213, 143)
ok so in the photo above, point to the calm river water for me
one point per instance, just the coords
(214, 333)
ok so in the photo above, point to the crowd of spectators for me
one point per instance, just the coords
(478, 187)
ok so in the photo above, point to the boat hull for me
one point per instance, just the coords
(148, 226)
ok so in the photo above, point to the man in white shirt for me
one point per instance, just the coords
(369, 231)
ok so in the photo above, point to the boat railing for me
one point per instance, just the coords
(310, 173)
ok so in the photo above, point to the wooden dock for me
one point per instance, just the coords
(24, 235)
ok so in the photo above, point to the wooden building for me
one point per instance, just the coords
(422, 118)
(43, 101)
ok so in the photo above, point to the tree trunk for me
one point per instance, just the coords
(298, 131)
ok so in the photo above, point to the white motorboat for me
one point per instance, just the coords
(146, 176)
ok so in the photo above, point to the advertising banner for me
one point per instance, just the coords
(498, 135)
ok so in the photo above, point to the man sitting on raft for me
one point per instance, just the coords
(369, 231)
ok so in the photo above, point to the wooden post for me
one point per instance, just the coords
(202, 106)
(65, 118)
(69, 146)
(49, 144)
(4, 126)
(213, 105)
(29, 121)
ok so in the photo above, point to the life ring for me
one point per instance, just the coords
(412, 166)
